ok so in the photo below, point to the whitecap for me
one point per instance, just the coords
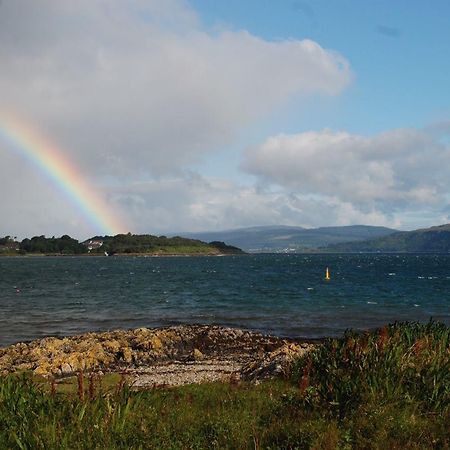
(372, 303)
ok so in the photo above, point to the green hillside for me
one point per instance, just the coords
(158, 245)
(287, 238)
(434, 240)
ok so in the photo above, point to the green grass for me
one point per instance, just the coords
(384, 390)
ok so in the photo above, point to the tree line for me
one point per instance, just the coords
(121, 243)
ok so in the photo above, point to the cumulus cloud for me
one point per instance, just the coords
(392, 171)
(128, 86)
(139, 90)
(196, 203)
(189, 202)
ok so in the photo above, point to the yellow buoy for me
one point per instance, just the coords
(327, 274)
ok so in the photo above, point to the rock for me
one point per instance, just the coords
(66, 369)
(112, 346)
(127, 355)
(260, 355)
(197, 355)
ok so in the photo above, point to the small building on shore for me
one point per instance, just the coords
(93, 244)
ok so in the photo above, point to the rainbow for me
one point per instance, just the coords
(67, 178)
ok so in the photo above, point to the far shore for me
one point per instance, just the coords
(99, 255)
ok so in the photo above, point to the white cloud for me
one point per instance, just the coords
(393, 171)
(189, 202)
(141, 85)
(196, 203)
(140, 90)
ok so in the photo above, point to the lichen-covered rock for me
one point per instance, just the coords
(113, 346)
(145, 347)
(197, 355)
(127, 355)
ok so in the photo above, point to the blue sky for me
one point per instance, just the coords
(206, 115)
(399, 54)
(398, 50)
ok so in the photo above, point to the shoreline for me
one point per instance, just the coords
(169, 356)
(144, 255)
(243, 253)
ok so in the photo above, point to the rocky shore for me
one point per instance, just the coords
(162, 356)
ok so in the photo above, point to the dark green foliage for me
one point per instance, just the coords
(224, 248)
(119, 244)
(146, 243)
(65, 245)
(5, 240)
(8, 245)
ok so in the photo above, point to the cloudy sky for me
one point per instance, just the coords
(206, 115)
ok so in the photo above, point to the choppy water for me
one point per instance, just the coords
(281, 294)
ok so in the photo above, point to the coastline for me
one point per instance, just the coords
(99, 255)
(168, 356)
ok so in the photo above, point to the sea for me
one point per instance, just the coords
(281, 294)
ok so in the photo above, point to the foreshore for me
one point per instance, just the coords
(167, 356)
(217, 387)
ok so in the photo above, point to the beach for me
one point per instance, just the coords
(167, 356)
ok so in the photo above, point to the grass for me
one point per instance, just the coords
(386, 389)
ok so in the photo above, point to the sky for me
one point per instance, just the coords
(202, 115)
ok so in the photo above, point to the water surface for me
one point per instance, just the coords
(281, 294)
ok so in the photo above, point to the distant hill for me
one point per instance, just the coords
(290, 239)
(433, 240)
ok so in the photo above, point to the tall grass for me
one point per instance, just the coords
(387, 389)
(404, 362)
(384, 389)
(199, 416)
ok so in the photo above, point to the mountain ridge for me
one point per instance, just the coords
(287, 238)
(435, 239)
